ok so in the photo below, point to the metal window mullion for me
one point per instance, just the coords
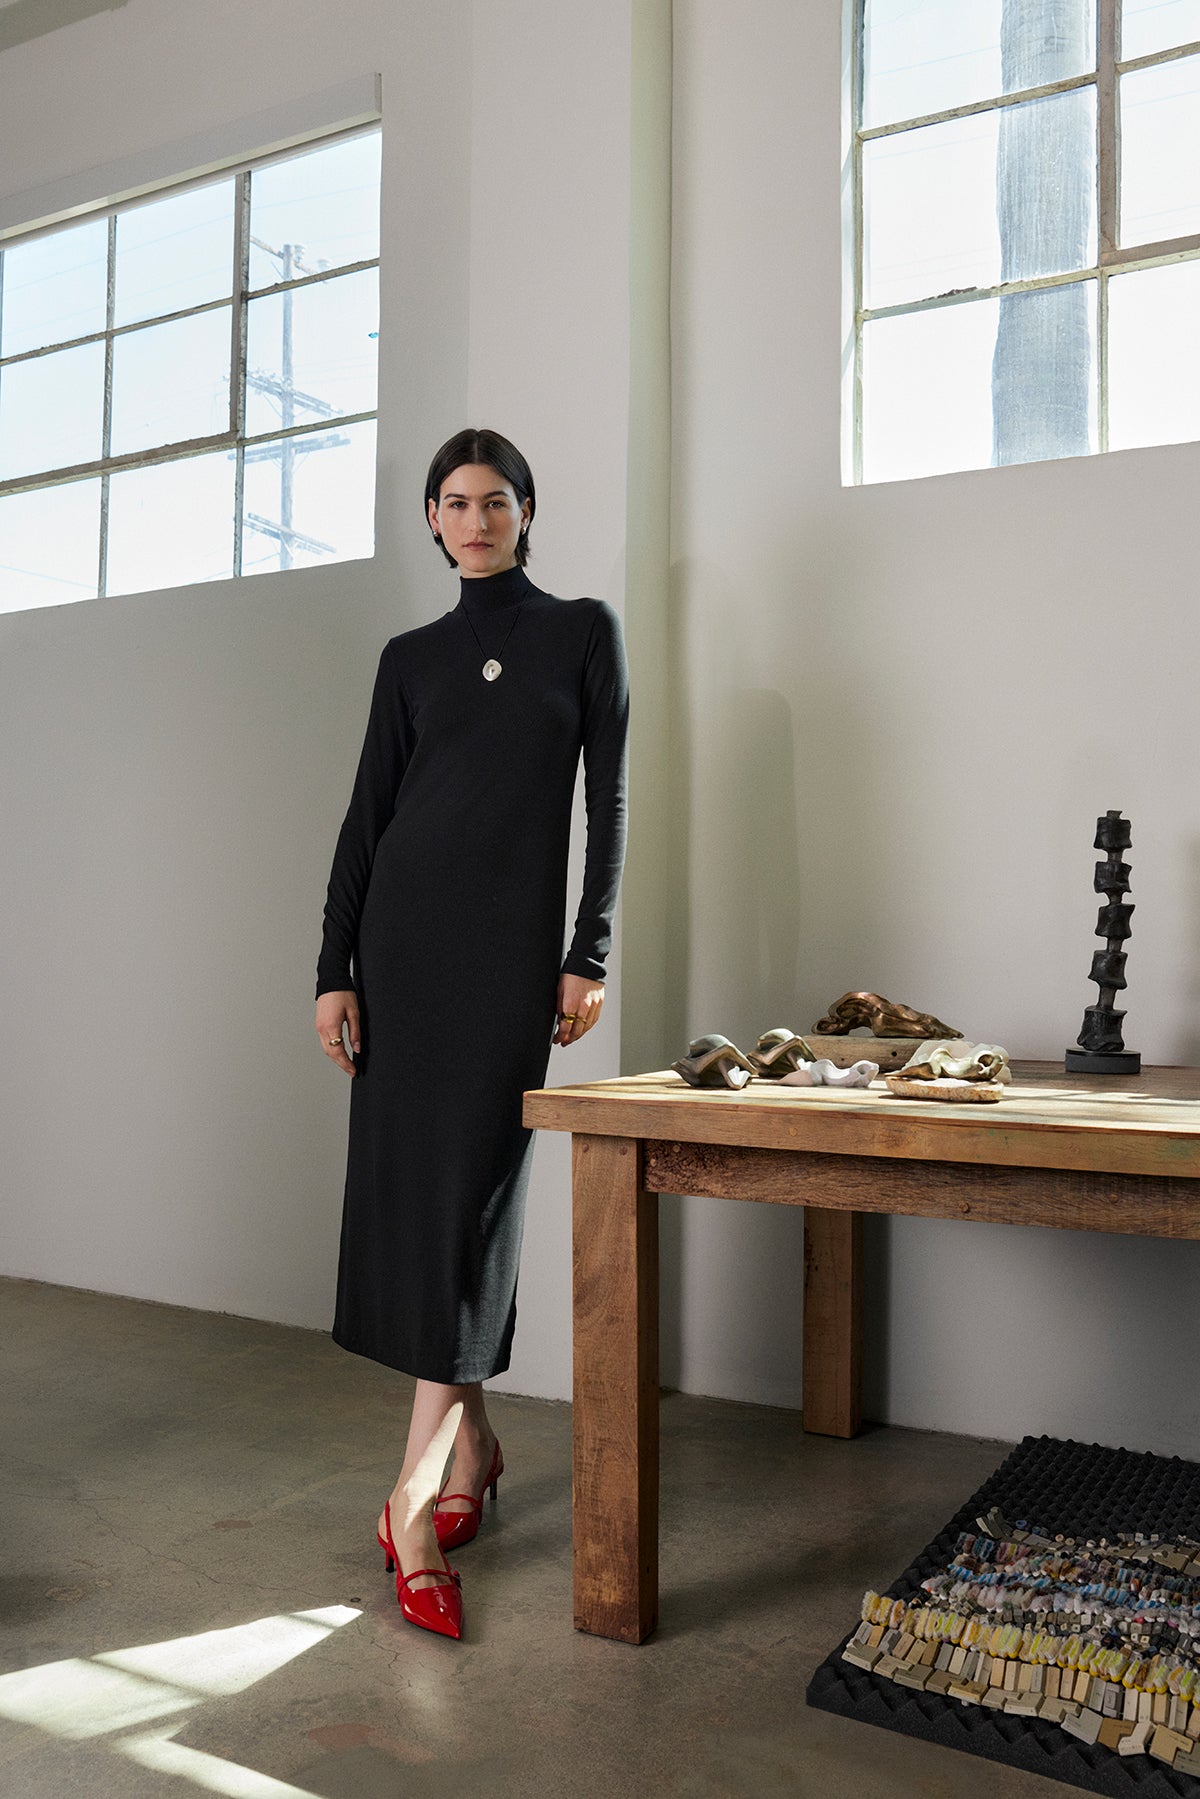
(185, 312)
(1102, 361)
(856, 157)
(1167, 249)
(345, 268)
(1174, 54)
(237, 360)
(110, 319)
(176, 452)
(1108, 147)
(1069, 85)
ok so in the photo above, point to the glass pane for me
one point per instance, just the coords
(171, 525)
(927, 403)
(1043, 376)
(175, 253)
(49, 545)
(171, 382)
(1004, 195)
(313, 352)
(990, 381)
(923, 56)
(309, 500)
(1150, 25)
(1160, 152)
(52, 411)
(55, 288)
(1154, 356)
(315, 211)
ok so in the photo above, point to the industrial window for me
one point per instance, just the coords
(188, 381)
(1023, 231)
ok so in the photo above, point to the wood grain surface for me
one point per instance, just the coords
(1066, 1199)
(1140, 1125)
(832, 1369)
(615, 1390)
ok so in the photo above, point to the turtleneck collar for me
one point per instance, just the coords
(492, 593)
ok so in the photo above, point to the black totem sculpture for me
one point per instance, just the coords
(1101, 1045)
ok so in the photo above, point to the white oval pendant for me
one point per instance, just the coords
(492, 670)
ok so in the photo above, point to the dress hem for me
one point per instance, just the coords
(442, 1380)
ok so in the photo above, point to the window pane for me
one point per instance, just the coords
(51, 411)
(49, 545)
(1154, 356)
(315, 211)
(923, 56)
(1150, 25)
(171, 382)
(1160, 152)
(927, 404)
(1043, 377)
(175, 253)
(1004, 195)
(309, 500)
(55, 288)
(172, 524)
(312, 352)
(1009, 380)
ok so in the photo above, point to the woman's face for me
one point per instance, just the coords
(479, 519)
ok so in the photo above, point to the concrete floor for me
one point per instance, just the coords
(169, 1473)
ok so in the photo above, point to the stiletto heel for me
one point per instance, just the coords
(439, 1608)
(456, 1528)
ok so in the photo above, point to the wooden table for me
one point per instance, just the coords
(1081, 1153)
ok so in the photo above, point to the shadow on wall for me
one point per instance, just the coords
(733, 888)
(25, 20)
(1189, 1046)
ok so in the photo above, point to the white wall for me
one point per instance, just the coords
(174, 766)
(897, 712)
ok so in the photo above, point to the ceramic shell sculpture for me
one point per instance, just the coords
(714, 1062)
(779, 1053)
(979, 1075)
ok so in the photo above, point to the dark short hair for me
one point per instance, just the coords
(474, 445)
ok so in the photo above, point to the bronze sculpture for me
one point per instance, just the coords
(882, 1017)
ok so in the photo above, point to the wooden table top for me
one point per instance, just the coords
(1147, 1124)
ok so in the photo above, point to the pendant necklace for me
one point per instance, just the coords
(493, 668)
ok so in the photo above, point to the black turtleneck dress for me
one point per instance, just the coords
(446, 913)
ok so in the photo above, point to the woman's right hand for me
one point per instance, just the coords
(333, 1011)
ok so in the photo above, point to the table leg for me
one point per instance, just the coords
(615, 1471)
(832, 1322)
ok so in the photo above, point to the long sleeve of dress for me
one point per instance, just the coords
(605, 737)
(385, 753)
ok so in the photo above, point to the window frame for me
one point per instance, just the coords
(234, 437)
(1111, 256)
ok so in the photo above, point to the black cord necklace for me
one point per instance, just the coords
(493, 668)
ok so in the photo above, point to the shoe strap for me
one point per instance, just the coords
(449, 1574)
(469, 1497)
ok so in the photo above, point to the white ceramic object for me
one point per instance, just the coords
(958, 1061)
(824, 1073)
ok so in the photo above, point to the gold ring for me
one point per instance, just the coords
(332, 1040)
(567, 1017)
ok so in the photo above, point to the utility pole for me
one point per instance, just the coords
(283, 388)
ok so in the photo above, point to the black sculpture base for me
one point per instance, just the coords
(1098, 1061)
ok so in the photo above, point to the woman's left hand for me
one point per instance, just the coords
(579, 1003)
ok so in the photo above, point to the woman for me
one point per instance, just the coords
(448, 895)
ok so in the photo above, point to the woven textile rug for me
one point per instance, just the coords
(1081, 1490)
